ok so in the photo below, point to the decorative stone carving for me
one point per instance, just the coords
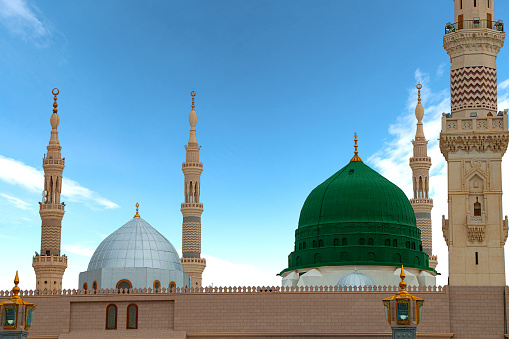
(482, 124)
(452, 125)
(495, 142)
(476, 234)
(497, 124)
(486, 40)
(467, 124)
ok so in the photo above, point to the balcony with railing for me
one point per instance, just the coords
(474, 24)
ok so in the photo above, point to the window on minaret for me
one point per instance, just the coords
(477, 208)
(475, 3)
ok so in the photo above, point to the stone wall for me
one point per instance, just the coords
(452, 312)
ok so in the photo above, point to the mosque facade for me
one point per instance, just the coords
(343, 263)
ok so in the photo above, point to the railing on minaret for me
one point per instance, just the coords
(421, 202)
(473, 139)
(49, 265)
(192, 209)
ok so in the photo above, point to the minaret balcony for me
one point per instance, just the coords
(420, 159)
(50, 206)
(50, 259)
(192, 164)
(421, 201)
(474, 24)
(474, 123)
(47, 161)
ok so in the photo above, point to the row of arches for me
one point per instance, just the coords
(362, 241)
(131, 318)
(192, 192)
(126, 284)
(371, 256)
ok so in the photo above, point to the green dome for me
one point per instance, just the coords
(357, 217)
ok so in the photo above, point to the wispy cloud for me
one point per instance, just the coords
(392, 159)
(21, 20)
(79, 250)
(17, 173)
(16, 202)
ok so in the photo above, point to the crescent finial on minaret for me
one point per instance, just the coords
(419, 110)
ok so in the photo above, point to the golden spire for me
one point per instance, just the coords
(16, 299)
(15, 290)
(137, 215)
(419, 86)
(356, 153)
(193, 93)
(402, 283)
(55, 105)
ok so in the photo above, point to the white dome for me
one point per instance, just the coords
(136, 244)
(355, 279)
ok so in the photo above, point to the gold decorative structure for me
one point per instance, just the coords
(405, 312)
(11, 308)
(193, 93)
(55, 105)
(419, 86)
(137, 215)
(356, 153)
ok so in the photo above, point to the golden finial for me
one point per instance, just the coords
(356, 153)
(193, 93)
(402, 283)
(137, 215)
(419, 86)
(15, 290)
(55, 105)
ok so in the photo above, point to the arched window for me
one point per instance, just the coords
(397, 258)
(371, 242)
(413, 245)
(408, 244)
(343, 256)
(475, 3)
(371, 256)
(132, 316)
(417, 260)
(318, 258)
(85, 286)
(336, 242)
(299, 261)
(361, 241)
(300, 246)
(304, 245)
(111, 317)
(94, 285)
(344, 242)
(124, 283)
(172, 286)
(420, 247)
(395, 243)
(157, 285)
(387, 242)
(314, 243)
(320, 243)
(477, 207)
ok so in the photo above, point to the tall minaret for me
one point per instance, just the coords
(420, 164)
(192, 208)
(473, 139)
(50, 266)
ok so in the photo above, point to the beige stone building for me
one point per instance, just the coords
(473, 140)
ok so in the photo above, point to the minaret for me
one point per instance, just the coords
(473, 139)
(192, 208)
(420, 164)
(50, 266)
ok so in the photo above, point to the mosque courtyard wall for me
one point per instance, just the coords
(449, 312)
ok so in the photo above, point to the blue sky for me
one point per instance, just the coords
(281, 88)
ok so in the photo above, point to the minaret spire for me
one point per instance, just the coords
(420, 164)
(192, 209)
(473, 140)
(50, 266)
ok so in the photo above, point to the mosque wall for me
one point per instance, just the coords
(454, 312)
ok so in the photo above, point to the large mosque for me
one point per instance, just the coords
(355, 231)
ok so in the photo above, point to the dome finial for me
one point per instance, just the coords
(193, 93)
(55, 105)
(402, 283)
(419, 86)
(356, 153)
(137, 215)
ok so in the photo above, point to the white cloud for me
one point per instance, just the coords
(79, 250)
(392, 159)
(17, 173)
(21, 20)
(16, 202)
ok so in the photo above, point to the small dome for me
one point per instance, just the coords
(136, 244)
(355, 279)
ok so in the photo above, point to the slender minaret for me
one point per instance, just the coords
(50, 266)
(420, 164)
(192, 208)
(473, 139)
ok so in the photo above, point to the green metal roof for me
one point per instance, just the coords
(357, 217)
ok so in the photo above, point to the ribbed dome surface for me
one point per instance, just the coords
(356, 193)
(136, 244)
(355, 279)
